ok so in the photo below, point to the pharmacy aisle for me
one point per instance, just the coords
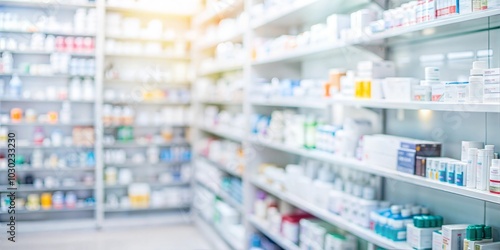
(263, 124)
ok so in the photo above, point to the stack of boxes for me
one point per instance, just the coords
(491, 86)
(318, 235)
(367, 84)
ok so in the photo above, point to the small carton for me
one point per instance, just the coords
(437, 240)
(453, 236)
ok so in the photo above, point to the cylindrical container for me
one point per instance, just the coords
(16, 115)
(46, 201)
(465, 148)
(460, 174)
(495, 177)
(484, 157)
(471, 167)
(443, 166)
(451, 172)
(432, 74)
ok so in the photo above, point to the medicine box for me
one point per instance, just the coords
(399, 88)
(437, 240)
(491, 79)
(437, 92)
(419, 238)
(376, 70)
(465, 6)
(335, 23)
(488, 246)
(410, 149)
(421, 166)
(446, 7)
(493, 71)
(453, 236)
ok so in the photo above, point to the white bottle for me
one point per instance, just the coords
(484, 157)
(8, 62)
(15, 87)
(476, 81)
(75, 89)
(37, 158)
(88, 89)
(495, 176)
(65, 114)
(471, 168)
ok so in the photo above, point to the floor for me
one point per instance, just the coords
(178, 237)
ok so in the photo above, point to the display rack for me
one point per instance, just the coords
(96, 212)
(308, 12)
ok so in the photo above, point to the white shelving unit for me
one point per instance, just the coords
(95, 215)
(308, 12)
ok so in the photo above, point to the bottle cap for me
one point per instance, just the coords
(395, 209)
(427, 221)
(406, 213)
(439, 219)
(479, 232)
(470, 233)
(424, 211)
(415, 210)
(418, 222)
(487, 232)
(433, 221)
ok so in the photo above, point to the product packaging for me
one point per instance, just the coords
(453, 236)
(437, 240)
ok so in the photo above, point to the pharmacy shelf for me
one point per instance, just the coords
(152, 185)
(71, 147)
(53, 210)
(260, 225)
(317, 103)
(33, 30)
(146, 39)
(145, 165)
(218, 10)
(147, 125)
(161, 102)
(146, 209)
(171, 84)
(157, 56)
(31, 188)
(37, 124)
(207, 228)
(138, 9)
(331, 218)
(145, 145)
(37, 52)
(223, 133)
(222, 68)
(382, 171)
(54, 4)
(22, 168)
(221, 102)
(434, 106)
(323, 50)
(43, 76)
(305, 11)
(220, 166)
(225, 197)
(20, 100)
(237, 37)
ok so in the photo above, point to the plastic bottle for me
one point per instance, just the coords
(38, 136)
(471, 168)
(88, 89)
(75, 89)
(310, 132)
(7, 62)
(65, 114)
(476, 81)
(495, 176)
(484, 157)
(15, 87)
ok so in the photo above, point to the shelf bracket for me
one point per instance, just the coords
(382, 3)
